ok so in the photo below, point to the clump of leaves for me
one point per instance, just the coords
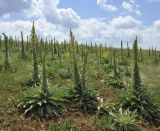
(116, 82)
(125, 120)
(65, 73)
(36, 104)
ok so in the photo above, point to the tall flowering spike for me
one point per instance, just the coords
(135, 52)
(22, 47)
(141, 54)
(33, 36)
(41, 50)
(55, 50)
(6, 54)
(136, 76)
(100, 53)
(72, 41)
(52, 50)
(27, 43)
(114, 64)
(44, 77)
(83, 79)
(122, 54)
(76, 73)
(45, 45)
(128, 52)
(155, 54)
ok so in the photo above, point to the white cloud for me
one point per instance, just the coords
(104, 5)
(128, 6)
(48, 9)
(125, 22)
(43, 29)
(151, 35)
(14, 28)
(131, 6)
(91, 30)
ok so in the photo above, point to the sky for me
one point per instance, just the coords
(97, 21)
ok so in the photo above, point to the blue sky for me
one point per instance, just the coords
(101, 21)
(89, 8)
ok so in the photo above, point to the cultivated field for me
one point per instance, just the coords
(62, 86)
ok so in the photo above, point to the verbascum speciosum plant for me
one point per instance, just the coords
(41, 102)
(114, 77)
(6, 64)
(140, 100)
(82, 97)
